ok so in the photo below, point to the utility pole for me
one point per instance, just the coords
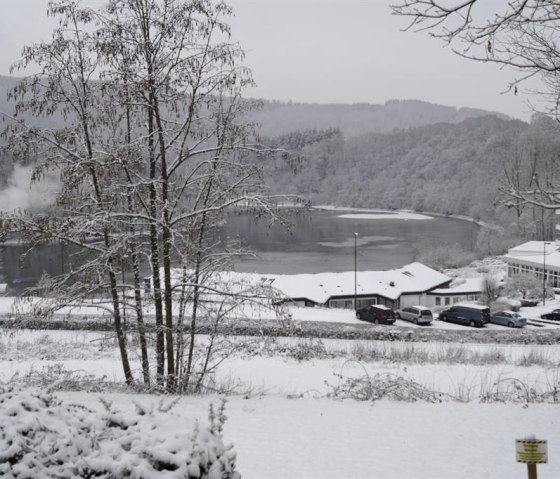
(355, 271)
(544, 273)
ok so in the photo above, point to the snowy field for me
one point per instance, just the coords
(292, 411)
(285, 419)
(276, 437)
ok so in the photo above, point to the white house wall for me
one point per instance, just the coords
(407, 300)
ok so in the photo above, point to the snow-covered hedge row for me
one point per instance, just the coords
(43, 437)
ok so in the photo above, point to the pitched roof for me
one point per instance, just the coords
(467, 285)
(319, 287)
(414, 277)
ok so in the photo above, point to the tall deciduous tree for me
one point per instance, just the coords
(152, 155)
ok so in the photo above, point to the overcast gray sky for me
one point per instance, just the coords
(325, 51)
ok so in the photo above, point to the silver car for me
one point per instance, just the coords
(416, 314)
(508, 318)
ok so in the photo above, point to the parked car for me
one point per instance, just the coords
(508, 318)
(529, 302)
(376, 313)
(554, 315)
(467, 314)
(416, 314)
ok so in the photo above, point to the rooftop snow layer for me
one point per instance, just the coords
(536, 252)
(391, 284)
(466, 285)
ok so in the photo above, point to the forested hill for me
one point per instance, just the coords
(277, 118)
(404, 154)
(446, 168)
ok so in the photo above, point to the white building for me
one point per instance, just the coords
(395, 288)
(537, 258)
(466, 290)
(413, 284)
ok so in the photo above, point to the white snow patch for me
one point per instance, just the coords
(401, 215)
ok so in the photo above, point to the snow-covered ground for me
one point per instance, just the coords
(328, 315)
(287, 417)
(276, 437)
(284, 422)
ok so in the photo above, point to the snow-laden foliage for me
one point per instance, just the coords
(44, 437)
(380, 386)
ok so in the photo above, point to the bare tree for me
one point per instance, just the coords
(152, 154)
(490, 289)
(521, 34)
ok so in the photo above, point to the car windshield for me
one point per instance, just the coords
(426, 313)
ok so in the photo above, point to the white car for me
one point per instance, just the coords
(416, 314)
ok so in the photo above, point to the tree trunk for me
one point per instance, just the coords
(154, 250)
(117, 320)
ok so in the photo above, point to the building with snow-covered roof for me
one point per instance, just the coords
(413, 284)
(459, 291)
(395, 288)
(539, 258)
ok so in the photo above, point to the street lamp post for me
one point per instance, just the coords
(544, 273)
(355, 271)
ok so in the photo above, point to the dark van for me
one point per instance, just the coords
(467, 314)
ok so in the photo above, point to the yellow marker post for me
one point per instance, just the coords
(531, 451)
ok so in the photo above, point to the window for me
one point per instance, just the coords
(438, 301)
(362, 303)
(447, 301)
(456, 299)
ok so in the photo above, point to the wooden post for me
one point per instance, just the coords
(531, 451)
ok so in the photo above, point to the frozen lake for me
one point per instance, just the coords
(319, 241)
(323, 240)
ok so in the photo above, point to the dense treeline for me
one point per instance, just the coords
(445, 168)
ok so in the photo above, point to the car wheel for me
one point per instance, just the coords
(397, 315)
(376, 321)
(415, 321)
(510, 325)
(359, 315)
(472, 324)
(444, 318)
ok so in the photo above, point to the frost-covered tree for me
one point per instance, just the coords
(153, 152)
(520, 34)
(490, 289)
(526, 285)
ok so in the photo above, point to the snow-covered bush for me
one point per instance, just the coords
(508, 304)
(527, 286)
(43, 437)
(380, 386)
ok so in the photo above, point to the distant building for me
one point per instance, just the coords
(395, 288)
(463, 291)
(413, 284)
(537, 258)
